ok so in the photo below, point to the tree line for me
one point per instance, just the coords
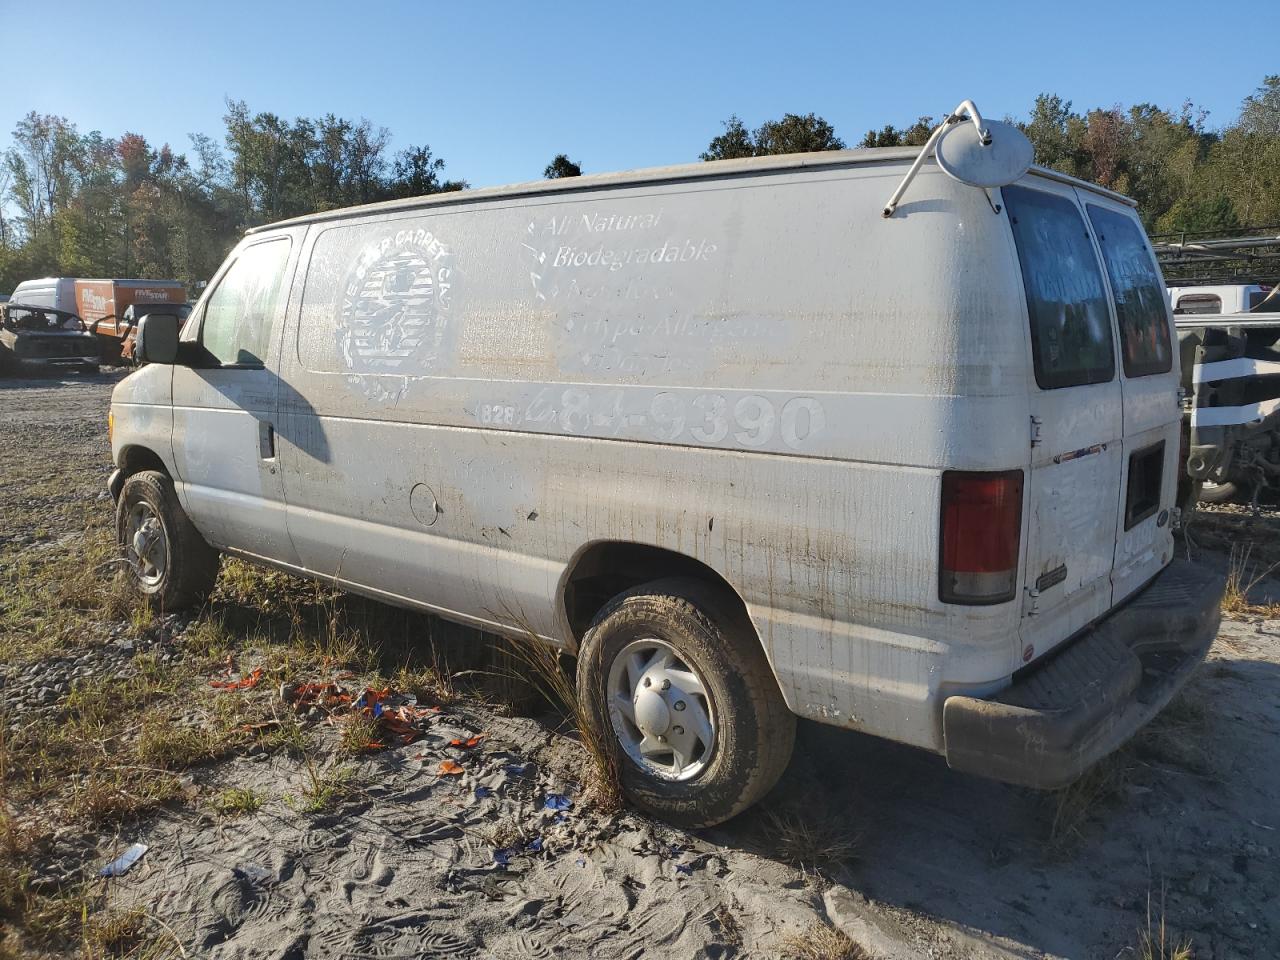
(82, 204)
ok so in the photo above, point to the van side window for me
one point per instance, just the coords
(1138, 293)
(237, 321)
(1070, 323)
(1199, 303)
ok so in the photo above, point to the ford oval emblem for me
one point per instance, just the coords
(1163, 518)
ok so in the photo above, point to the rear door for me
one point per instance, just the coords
(1076, 422)
(1149, 382)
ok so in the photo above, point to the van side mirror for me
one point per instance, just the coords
(157, 339)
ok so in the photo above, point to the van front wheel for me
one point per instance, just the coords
(679, 685)
(168, 564)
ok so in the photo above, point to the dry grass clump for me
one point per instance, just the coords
(1179, 734)
(1075, 804)
(541, 667)
(360, 733)
(115, 934)
(812, 841)
(823, 942)
(322, 787)
(1243, 576)
(1155, 942)
(162, 743)
(111, 796)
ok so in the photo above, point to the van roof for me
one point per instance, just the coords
(677, 173)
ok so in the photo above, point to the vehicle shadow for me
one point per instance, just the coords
(1183, 815)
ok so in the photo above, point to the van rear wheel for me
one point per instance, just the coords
(169, 565)
(679, 684)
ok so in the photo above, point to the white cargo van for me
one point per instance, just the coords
(748, 441)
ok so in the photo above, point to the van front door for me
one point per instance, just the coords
(225, 405)
(1076, 423)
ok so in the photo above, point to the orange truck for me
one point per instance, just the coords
(109, 308)
(104, 307)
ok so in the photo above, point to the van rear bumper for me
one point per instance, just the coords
(1064, 715)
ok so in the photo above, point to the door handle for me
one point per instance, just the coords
(266, 440)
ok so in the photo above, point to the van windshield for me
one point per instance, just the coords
(1138, 293)
(1070, 323)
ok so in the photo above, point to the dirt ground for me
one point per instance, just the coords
(278, 831)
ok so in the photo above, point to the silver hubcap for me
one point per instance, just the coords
(661, 711)
(145, 545)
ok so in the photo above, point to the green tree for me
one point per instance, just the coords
(793, 133)
(415, 172)
(562, 166)
(734, 143)
(915, 135)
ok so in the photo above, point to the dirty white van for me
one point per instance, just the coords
(748, 440)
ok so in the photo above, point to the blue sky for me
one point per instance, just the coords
(498, 88)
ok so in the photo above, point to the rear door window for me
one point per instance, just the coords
(1071, 340)
(1138, 293)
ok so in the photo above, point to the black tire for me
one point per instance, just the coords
(191, 565)
(755, 731)
(1228, 492)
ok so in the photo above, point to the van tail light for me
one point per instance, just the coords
(981, 532)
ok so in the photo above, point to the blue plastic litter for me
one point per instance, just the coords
(483, 793)
(557, 801)
(534, 845)
(685, 868)
(517, 769)
(502, 857)
(121, 864)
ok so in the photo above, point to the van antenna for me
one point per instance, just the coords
(954, 117)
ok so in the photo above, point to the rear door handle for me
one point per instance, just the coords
(266, 440)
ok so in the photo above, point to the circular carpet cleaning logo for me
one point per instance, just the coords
(393, 318)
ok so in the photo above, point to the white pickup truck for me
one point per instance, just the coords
(886, 438)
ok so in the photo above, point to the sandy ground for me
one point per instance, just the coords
(1184, 823)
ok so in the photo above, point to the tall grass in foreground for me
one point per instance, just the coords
(546, 673)
(1156, 943)
(1242, 577)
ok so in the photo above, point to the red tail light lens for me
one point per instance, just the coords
(981, 533)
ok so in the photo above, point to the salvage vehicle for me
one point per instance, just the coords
(102, 305)
(46, 337)
(1232, 368)
(749, 439)
(128, 323)
(1219, 298)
